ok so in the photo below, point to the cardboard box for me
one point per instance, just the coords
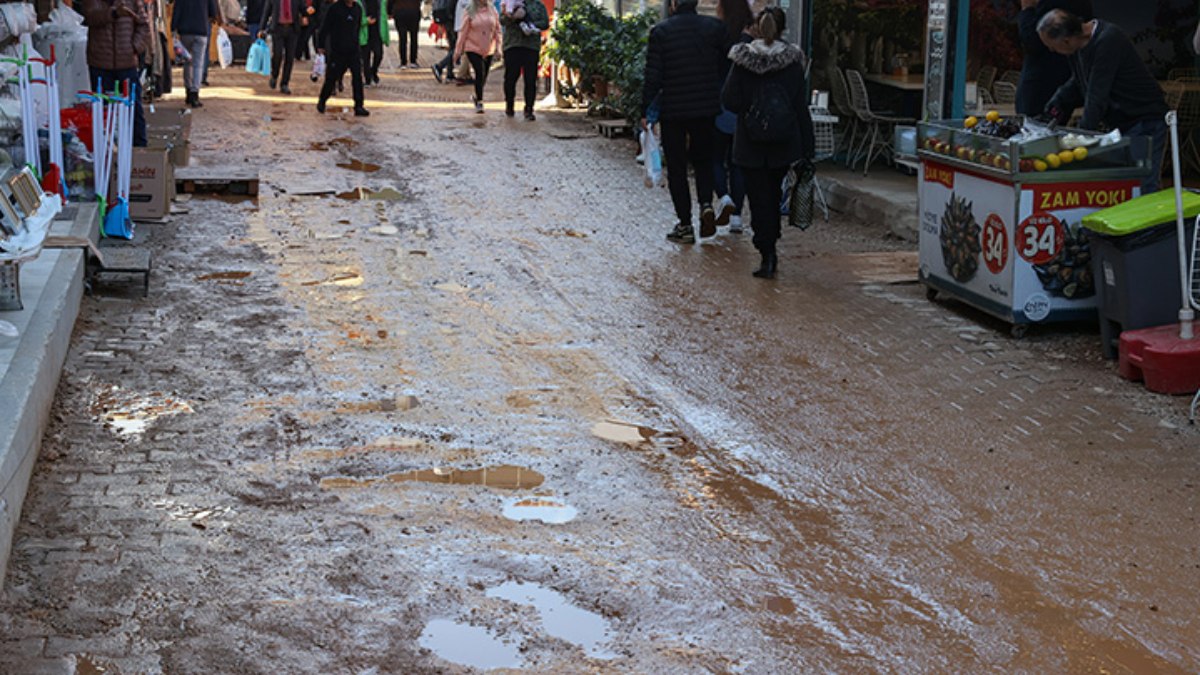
(152, 186)
(169, 122)
(179, 149)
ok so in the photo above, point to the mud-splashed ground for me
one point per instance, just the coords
(495, 418)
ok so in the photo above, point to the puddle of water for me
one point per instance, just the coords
(560, 619)
(623, 432)
(398, 404)
(781, 605)
(88, 665)
(390, 194)
(223, 276)
(130, 414)
(546, 509)
(507, 477)
(468, 645)
(334, 143)
(357, 165)
(382, 444)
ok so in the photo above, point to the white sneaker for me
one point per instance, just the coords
(724, 208)
(735, 224)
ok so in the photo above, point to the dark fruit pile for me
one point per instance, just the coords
(1003, 129)
(1070, 273)
(960, 239)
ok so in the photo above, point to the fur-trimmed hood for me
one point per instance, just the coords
(759, 57)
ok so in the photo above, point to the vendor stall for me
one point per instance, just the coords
(1000, 205)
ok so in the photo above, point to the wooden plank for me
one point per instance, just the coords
(224, 179)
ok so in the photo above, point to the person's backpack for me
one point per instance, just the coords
(770, 117)
(443, 11)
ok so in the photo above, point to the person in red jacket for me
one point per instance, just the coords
(118, 34)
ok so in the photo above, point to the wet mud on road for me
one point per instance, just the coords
(446, 384)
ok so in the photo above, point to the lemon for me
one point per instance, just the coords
(1066, 156)
(1053, 161)
(993, 116)
(1039, 165)
(970, 122)
(1080, 154)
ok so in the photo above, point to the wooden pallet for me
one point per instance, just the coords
(231, 180)
(614, 128)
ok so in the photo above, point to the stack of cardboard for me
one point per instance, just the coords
(153, 184)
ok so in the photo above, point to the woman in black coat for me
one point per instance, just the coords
(1043, 71)
(766, 89)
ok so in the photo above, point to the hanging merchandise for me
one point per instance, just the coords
(52, 180)
(117, 222)
(29, 125)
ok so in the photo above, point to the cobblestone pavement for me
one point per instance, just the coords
(835, 474)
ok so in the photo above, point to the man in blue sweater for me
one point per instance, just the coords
(191, 21)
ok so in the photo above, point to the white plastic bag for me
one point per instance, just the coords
(182, 55)
(224, 48)
(318, 69)
(652, 152)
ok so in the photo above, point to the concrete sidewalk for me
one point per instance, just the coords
(887, 196)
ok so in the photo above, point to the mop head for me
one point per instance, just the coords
(116, 221)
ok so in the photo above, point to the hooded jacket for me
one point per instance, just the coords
(683, 65)
(754, 66)
(114, 42)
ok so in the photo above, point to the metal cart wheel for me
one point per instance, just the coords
(1019, 330)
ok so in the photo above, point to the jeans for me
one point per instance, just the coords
(283, 52)
(1156, 129)
(518, 60)
(108, 79)
(481, 65)
(447, 63)
(689, 141)
(764, 188)
(728, 175)
(408, 24)
(336, 67)
(193, 71)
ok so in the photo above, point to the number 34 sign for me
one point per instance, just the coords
(1039, 238)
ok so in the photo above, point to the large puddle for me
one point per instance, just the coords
(387, 194)
(358, 165)
(587, 630)
(507, 477)
(550, 510)
(130, 414)
(468, 645)
(623, 432)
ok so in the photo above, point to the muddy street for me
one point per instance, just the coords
(444, 399)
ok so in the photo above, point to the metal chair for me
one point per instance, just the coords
(1005, 93)
(877, 132)
(1012, 77)
(824, 148)
(840, 98)
(986, 78)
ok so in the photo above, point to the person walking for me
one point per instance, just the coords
(683, 71)
(339, 40)
(191, 20)
(522, 46)
(729, 183)
(407, 16)
(479, 40)
(282, 19)
(118, 35)
(1042, 71)
(372, 40)
(254, 12)
(766, 89)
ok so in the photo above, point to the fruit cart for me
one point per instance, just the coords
(1000, 208)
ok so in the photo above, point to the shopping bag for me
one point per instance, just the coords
(318, 69)
(182, 55)
(224, 48)
(652, 154)
(258, 59)
(798, 187)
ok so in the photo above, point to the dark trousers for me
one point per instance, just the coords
(447, 63)
(372, 56)
(686, 142)
(283, 52)
(481, 65)
(408, 24)
(304, 42)
(1156, 129)
(728, 175)
(518, 60)
(764, 189)
(336, 67)
(108, 79)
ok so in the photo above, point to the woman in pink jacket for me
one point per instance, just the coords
(479, 39)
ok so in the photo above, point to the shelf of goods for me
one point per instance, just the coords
(1000, 214)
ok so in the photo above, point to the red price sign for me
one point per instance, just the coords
(995, 244)
(1039, 238)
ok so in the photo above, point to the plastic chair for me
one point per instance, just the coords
(877, 133)
(840, 98)
(986, 78)
(1005, 93)
(1012, 77)
(824, 148)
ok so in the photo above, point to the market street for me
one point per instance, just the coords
(821, 473)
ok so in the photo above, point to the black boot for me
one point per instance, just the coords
(188, 100)
(766, 269)
(196, 100)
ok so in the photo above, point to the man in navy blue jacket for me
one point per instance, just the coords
(191, 22)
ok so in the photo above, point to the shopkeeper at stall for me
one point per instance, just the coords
(1110, 80)
(1042, 71)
